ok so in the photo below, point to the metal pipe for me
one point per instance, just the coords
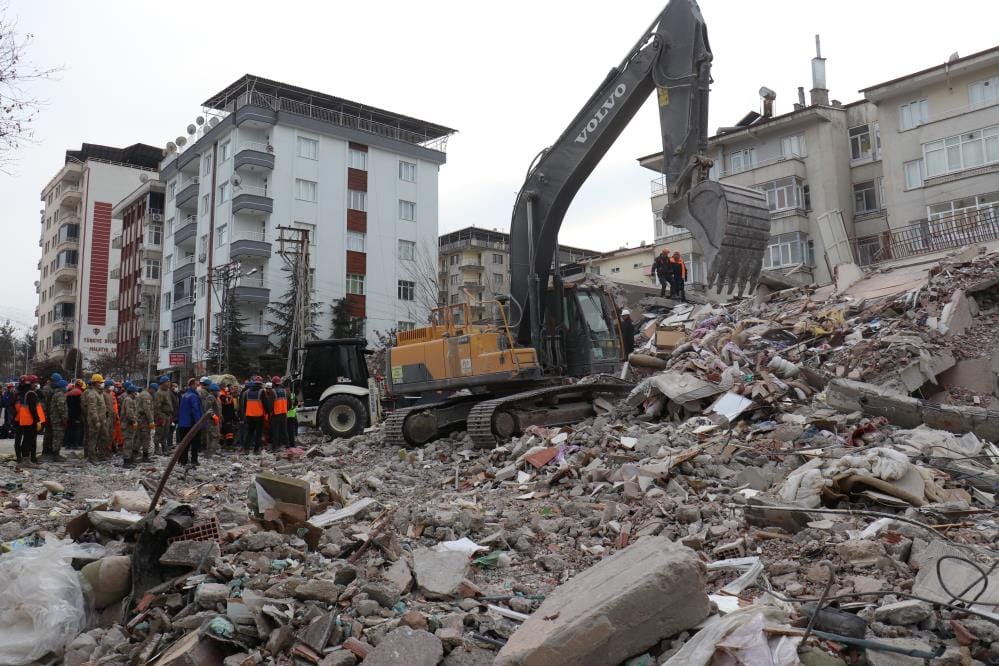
(196, 430)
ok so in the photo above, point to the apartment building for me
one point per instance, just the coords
(361, 181)
(627, 264)
(137, 275)
(908, 169)
(474, 268)
(77, 256)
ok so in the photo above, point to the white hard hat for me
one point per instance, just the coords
(268, 385)
(625, 312)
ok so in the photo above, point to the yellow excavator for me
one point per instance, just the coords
(497, 378)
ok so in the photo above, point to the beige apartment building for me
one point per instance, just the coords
(474, 268)
(908, 169)
(627, 264)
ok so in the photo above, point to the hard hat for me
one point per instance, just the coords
(80, 383)
(62, 384)
(108, 383)
(131, 388)
(275, 380)
(625, 313)
(56, 377)
(214, 388)
(96, 378)
(268, 385)
(257, 379)
(164, 379)
(206, 380)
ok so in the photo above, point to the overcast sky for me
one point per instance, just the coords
(508, 76)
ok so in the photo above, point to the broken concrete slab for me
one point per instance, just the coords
(332, 516)
(957, 315)
(399, 576)
(192, 650)
(276, 495)
(439, 575)
(325, 591)
(910, 611)
(957, 576)
(406, 646)
(878, 658)
(617, 608)
(209, 595)
(191, 554)
(971, 374)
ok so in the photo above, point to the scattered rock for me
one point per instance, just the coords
(406, 646)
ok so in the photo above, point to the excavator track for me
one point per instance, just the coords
(481, 425)
(439, 417)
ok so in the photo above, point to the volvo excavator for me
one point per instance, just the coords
(497, 378)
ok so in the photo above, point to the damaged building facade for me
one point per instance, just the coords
(909, 169)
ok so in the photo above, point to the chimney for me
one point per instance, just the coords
(819, 93)
(768, 96)
(801, 99)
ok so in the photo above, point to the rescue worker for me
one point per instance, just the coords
(163, 416)
(190, 414)
(58, 417)
(292, 418)
(144, 407)
(209, 403)
(30, 421)
(227, 408)
(46, 393)
(664, 271)
(128, 413)
(94, 418)
(253, 414)
(74, 408)
(679, 272)
(627, 332)
(279, 416)
(117, 395)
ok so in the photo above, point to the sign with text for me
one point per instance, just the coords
(178, 359)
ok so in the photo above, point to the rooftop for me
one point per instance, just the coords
(493, 238)
(929, 74)
(138, 155)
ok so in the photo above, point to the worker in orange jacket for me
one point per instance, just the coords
(679, 277)
(29, 416)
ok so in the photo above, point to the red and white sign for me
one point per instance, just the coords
(178, 359)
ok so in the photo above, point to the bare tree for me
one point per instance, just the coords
(18, 106)
(423, 272)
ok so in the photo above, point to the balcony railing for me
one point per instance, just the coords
(250, 189)
(256, 281)
(113, 304)
(186, 341)
(659, 186)
(259, 236)
(760, 165)
(115, 273)
(965, 227)
(182, 222)
(183, 261)
(184, 300)
(253, 145)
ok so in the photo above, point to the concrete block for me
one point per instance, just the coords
(191, 554)
(620, 607)
(956, 316)
(192, 650)
(439, 575)
(910, 611)
(406, 646)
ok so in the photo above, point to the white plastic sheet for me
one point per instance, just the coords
(42, 606)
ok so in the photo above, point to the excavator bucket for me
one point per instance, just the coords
(732, 226)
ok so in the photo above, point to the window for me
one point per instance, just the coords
(205, 203)
(308, 148)
(740, 160)
(407, 171)
(616, 269)
(497, 279)
(860, 143)
(455, 259)
(793, 146)
(355, 284)
(405, 326)
(221, 234)
(200, 329)
(961, 152)
(407, 290)
(171, 190)
(203, 244)
(164, 338)
(206, 165)
(355, 241)
(407, 210)
(166, 301)
(224, 152)
(357, 200)
(305, 190)
(984, 93)
(357, 159)
(223, 193)
(497, 258)
(784, 194)
(151, 269)
(455, 279)
(201, 287)
(913, 114)
(788, 250)
(155, 234)
(407, 250)
(865, 197)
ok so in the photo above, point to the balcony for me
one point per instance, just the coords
(246, 244)
(183, 268)
(252, 199)
(183, 308)
(185, 229)
(180, 344)
(252, 289)
(252, 156)
(472, 266)
(67, 243)
(65, 273)
(116, 242)
(473, 286)
(187, 194)
(188, 158)
(69, 195)
(255, 109)
(970, 226)
(115, 273)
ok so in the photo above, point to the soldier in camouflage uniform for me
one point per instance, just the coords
(94, 418)
(45, 397)
(111, 414)
(58, 416)
(144, 400)
(128, 412)
(163, 414)
(212, 433)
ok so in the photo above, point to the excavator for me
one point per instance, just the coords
(497, 378)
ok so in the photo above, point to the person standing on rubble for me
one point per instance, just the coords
(128, 412)
(94, 417)
(45, 394)
(74, 415)
(210, 403)
(627, 332)
(111, 422)
(190, 414)
(58, 416)
(679, 273)
(294, 403)
(253, 415)
(163, 416)
(144, 405)
(664, 271)
(227, 407)
(30, 420)
(279, 416)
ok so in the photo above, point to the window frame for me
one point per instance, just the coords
(407, 207)
(354, 284)
(301, 183)
(206, 165)
(223, 193)
(351, 241)
(920, 117)
(357, 200)
(355, 157)
(858, 136)
(747, 159)
(221, 235)
(406, 290)
(865, 188)
(225, 150)
(307, 141)
(404, 168)
(410, 247)
(790, 141)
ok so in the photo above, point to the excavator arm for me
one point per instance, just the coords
(731, 224)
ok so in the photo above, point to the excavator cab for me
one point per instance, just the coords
(581, 334)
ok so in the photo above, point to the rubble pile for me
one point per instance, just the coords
(769, 493)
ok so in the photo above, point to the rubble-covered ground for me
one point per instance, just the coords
(730, 511)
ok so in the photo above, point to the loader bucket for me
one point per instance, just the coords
(732, 226)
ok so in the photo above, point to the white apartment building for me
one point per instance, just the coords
(362, 181)
(77, 256)
(909, 169)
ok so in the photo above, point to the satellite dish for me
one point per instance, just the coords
(181, 141)
(213, 121)
(143, 177)
(191, 129)
(235, 180)
(200, 120)
(953, 56)
(171, 147)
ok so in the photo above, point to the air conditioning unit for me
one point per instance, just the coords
(157, 217)
(203, 257)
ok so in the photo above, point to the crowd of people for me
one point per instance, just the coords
(107, 417)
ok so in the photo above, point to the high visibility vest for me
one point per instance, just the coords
(24, 413)
(254, 407)
(280, 401)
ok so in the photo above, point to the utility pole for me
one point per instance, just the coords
(293, 247)
(224, 278)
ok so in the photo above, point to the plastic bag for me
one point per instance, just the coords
(42, 606)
